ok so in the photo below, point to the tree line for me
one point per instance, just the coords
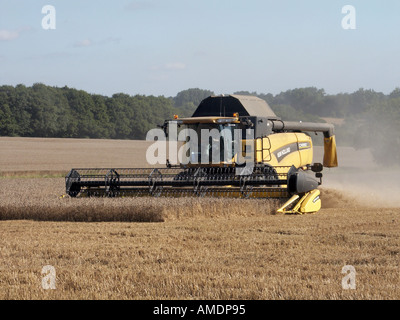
(44, 111)
(371, 119)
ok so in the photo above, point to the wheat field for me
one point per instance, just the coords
(186, 248)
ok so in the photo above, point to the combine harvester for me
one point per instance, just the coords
(280, 163)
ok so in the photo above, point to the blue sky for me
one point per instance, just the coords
(161, 47)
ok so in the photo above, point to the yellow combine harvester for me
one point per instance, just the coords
(233, 146)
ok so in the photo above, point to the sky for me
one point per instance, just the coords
(161, 47)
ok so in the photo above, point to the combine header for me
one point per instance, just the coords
(242, 150)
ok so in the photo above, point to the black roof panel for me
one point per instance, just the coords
(226, 106)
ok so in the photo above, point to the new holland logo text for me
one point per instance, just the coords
(304, 145)
(283, 152)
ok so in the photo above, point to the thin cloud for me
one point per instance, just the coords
(8, 35)
(83, 43)
(169, 66)
(89, 43)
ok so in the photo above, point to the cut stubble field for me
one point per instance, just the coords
(160, 248)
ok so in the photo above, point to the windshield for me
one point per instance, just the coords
(211, 143)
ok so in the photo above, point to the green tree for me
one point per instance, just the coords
(308, 100)
(188, 100)
(395, 93)
(8, 125)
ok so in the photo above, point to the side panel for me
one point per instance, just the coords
(285, 149)
(305, 148)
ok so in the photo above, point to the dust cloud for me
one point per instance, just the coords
(358, 181)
